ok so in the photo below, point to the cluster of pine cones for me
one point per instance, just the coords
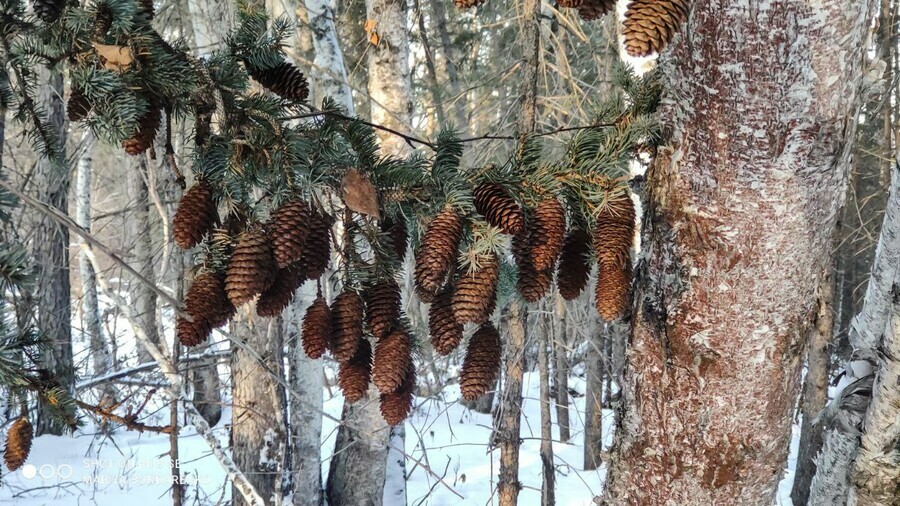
(18, 443)
(268, 262)
(649, 25)
(284, 79)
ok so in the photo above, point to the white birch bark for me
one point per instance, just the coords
(331, 81)
(138, 239)
(90, 308)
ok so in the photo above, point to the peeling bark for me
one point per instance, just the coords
(761, 104)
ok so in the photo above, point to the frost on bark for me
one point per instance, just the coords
(101, 360)
(50, 248)
(257, 431)
(761, 100)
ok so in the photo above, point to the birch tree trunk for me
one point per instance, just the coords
(364, 470)
(331, 80)
(139, 243)
(257, 432)
(50, 248)
(761, 104)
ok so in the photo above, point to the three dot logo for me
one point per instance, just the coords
(47, 472)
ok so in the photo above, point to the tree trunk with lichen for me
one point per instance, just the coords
(760, 104)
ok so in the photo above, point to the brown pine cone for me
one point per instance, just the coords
(570, 4)
(474, 291)
(354, 373)
(446, 333)
(193, 333)
(437, 252)
(316, 329)
(195, 216)
(574, 265)
(284, 80)
(547, 233)
(145, 133)
(393, 356)
(614, 231)
(207, 299)
(18, 443)
(78, 106)
(252, 268)
(383, 307)
(590, 10)
(396, 406)
(613, 293)
(289, 228)
(531, 283)
(468, 4)
(316, 255)
(273, 301)
(650, 25)
(481, 366)
(499, 209)
(48, 10)
(346, 324)
(396, 230)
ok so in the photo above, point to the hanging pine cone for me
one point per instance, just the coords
(146, 7)
(195, 216)
(346, 324)
(103, 21)
(498, 208)
(393, 357)
(446, 333)
(438, 252)
(590, 10)
(317, 251)
(193, 333)
(569, 4)
(531, 283)
(316, 329)
(18, 443)
(396, 406)
(574, 265)
(613, 294)
(354, 373)
(78, 107)
(383, 307)
(252, 269)
(273, 301)
(288, 229)
(482, 363)
(48, 10)
(548, 232)
(284, 80)
(396, 230)
(614, 231)
(145, 133)
(468, 4)
(650, 25)
(474, 291)
(207, 300)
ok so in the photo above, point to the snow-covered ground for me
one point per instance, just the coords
(132, 468)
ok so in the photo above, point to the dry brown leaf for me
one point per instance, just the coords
(359, 193)
(372, 31)
(115, 57)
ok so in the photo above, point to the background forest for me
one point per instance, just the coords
(474, 175)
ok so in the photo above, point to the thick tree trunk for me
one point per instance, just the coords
(332, 80)
(815, 392)
(560, 346)
(51, 255)
(101, 361)
(257, 434)
(761, 101)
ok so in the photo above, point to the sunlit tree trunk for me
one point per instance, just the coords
(761, 101)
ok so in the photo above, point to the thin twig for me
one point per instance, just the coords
(129, 421)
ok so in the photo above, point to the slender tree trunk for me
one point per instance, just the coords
(257, 436)
(560, 348)
(51, 255)
(815, 392)
(140, 244)
(508, 424)
(593, 401)
(548, 471)
(738, 208)
(457, 96)
(844, 415)
(101, 360)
